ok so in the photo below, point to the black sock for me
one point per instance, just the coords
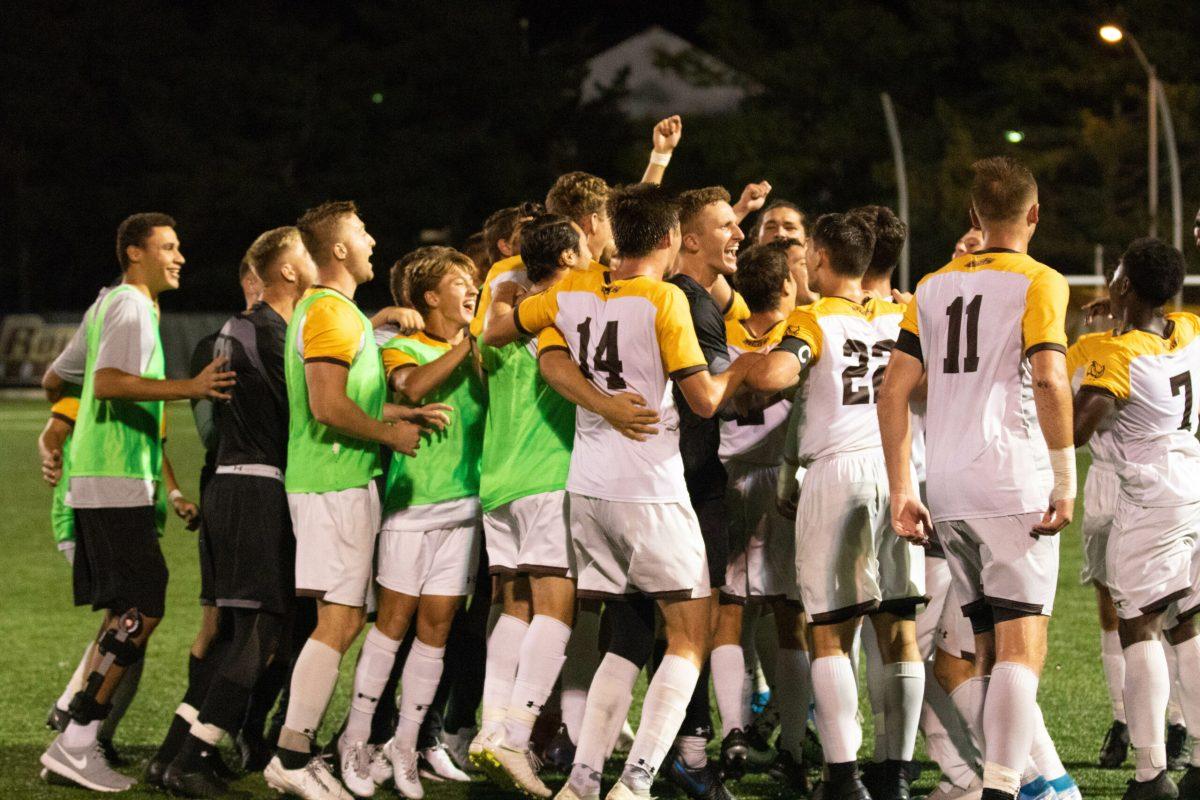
(176, 735)
(842, 771)
(292, 759)
(997, 794)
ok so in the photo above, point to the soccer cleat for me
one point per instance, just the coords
(253, 752)
(200, 783)
(1065, 788)
(567, 793)
(58, 719)
(946, 790)
(845, 789)
(85, 766)
(886, 780)
(508, 766)
(734, 752)
(1115, 749)
(436, 764)
(1177, 752)
(1161, 787)
(1037, 789)
(560, 752)
(759, 753)
(1189, 784)
(313, 781)
(381, 767)
(458, 745)
(354, 760)
(699, 784)
(154, 773)
(405, 773)
(620, 791)
(790, 774)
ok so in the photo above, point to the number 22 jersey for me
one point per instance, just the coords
(975, 323)
(631, 335)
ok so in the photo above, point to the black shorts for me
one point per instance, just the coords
(118, 562)
(208, 595)
(248, 543)
(714, 527)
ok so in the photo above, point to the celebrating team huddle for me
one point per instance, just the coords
(617, 440)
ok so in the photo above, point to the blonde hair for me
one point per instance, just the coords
(576, 195)
(421, 271)
(269, 246)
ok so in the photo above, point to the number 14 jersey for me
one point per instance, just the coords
(975, 323)
(627, 336)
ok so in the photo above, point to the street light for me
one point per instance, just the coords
(1157, 99)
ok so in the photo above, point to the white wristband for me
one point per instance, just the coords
(1062, 462)
(659, 159)
(174, 495)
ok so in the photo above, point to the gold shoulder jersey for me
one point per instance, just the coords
(629, 335)
(756, 437)
(850, 345)
(1154, 381)
(506, 270)
(1079, 355)
(737, 308)
(974, 323)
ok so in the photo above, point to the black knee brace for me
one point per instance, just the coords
(116, 646)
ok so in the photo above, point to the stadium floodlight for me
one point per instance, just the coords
(1014, 137)
(1111, 34)
(377, 98)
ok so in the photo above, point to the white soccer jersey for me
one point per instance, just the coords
(851, 345)
(974, 323)
(1154, 381)
(757, 437)
(626, 335)
(1079, 355)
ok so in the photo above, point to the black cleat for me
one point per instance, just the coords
(111, 754)
(560, 752)
(1189, 784)
(1115, 749)
(790, 774)
(734, 752)
(57, 719)
(201, 783)
(760, 755)
(253, 752)
(699, 784)
(1160, 788)
(155, 771)
(1177, 755)
(216, 765)
(887, 780)
(845, 789)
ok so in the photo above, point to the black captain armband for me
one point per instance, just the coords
(909, 342)
(797, 347)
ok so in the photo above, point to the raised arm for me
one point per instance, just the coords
(754, 196)
(665, 139)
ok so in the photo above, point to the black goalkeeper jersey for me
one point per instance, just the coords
(252, 426)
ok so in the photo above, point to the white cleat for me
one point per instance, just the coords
(458, 745)
(620, 791)
(517, 768)
(437, 765)
(567, 793)
(946, 790)
(381, 767)
(354, 758)
(313, 781)
(85, 766)
(475, 751)
(405, 774)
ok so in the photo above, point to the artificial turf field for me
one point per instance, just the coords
(42, 637)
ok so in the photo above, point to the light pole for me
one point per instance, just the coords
(1157, 99)
(889, 115)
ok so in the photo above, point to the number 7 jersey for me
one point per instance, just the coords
(975, 323)
(627, 336)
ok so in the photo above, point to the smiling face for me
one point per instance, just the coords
(714, 238)
(781, 221)
(454, 298)
(158, 260)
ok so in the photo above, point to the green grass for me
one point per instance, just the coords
(42, 635)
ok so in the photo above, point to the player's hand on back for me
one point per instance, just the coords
(1100, 308)
(508, 293)
(211, 382)
(910, 519)
(408, 320)
(1058, 516)
(404, 437)
(628, 413)
(903, 298)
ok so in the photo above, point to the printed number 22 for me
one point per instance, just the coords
(954, 335)
(606, 359)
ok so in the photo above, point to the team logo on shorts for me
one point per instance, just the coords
(1095, 370)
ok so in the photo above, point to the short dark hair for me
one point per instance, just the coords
(134, 230)
(781, 203)
(1155, 269)
(849, 239)
(499, 225)
(1002, 189)
(693, 201)
(543, 240)
(318, 224)
(642, 214)
(761, 273)
(890, 233)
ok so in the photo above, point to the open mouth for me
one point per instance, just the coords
(731, 252)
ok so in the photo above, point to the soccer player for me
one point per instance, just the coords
(1143, 378)
(337, 418)
(849, 563)
(250, 545)
(633, 527)
(988, 331)
(116, 459)
(428, 545)
(781, 219)
(969, 242)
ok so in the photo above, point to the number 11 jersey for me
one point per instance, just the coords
(975, 323)
(630, 335)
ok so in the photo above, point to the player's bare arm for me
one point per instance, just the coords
(625, 411)
(52, 385)
(787, 487)
(754, 196)
(1052, 396)
(901, 380)
(430, 417)
(331, 406)
(706, 393)
(408, 320)
(185, 509)
(665, 138)
(50, 449)
(211, 383)
(416, 381)
(1092, 408)
(778, 370)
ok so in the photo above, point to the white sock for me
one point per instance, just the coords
(314, 677)
(583, 656)
(877, 680)
(837, 708)
(1113, 659)
(969, 697)
(904, 690)
(374, 666)
(418, 685)
(542, 655)
(1008, 718)
(1044, 754)
(663, 710)
(80, 735)
(77, 678)
(500, 671)
(608, 702)
(794, 673)
(729, 676)
(1147, 687)
(207, 732)
(1174, 707)
(1188, 656)
(691, 751)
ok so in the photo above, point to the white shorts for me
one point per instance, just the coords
(762, 544)
(954, 632)
(937, 588)
(1100, 491)
(995, 561)
(335, 543)
(530, 535)
(442, 561)
(1154, 560)
(622, 548)
(849, 561)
